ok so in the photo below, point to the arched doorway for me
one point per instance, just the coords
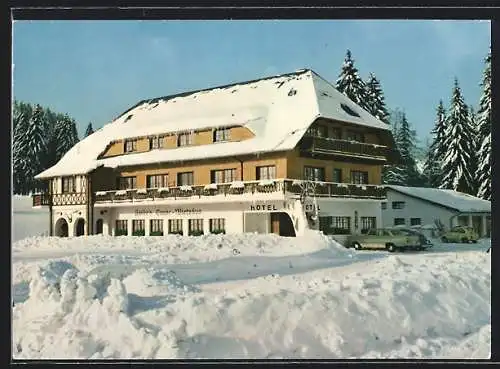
(79, 227)
(282, 224)
(61, 228)
(98, 226)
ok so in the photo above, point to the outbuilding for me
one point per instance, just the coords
(421, 206)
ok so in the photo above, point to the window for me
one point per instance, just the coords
(127, 183)
(223, 176)
(341, 225)
(371, 232)
(355, 136)
(399, 221)
(156, 227)
(267, 172)
(383, 205)
(336, 133)
(222, 134)
(217, 225)
(155, 143)
(337, 175)
(175, 226)
(325, 224)
(138, 227)
(185, 139)
(157, 181)
(185, 179)
(318, 131)
(195, 227)
(130, 145)
(415, 221)
(359, 177)
(121, 228)
(368, 223)
(398, 204)
(314, 174)
(68, 184)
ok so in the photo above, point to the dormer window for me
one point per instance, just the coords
(348, 110)
(222, 134)
(155, 143)
(185, 139)
(130, 146)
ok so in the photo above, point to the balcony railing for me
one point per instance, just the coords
(323, 145)
(41, 199)
(284, 186)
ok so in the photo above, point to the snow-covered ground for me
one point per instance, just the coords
(246, 296)
(28, 221)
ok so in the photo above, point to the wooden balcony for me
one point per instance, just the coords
(248, 188)
(321, 145)
(46, 199)
(41, 199)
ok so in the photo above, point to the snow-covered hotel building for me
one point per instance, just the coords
(281, 154)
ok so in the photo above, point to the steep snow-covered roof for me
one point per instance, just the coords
(278, 110)
(459, 201)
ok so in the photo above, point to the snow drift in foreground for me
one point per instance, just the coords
(246, 296)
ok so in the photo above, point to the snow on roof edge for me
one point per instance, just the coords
(459, 201)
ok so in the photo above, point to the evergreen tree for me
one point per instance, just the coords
(36, 146)
(459, 146)
(20, 145)
(484, 135)
(50, 138)
(65, 133)
(375, 101)
(437, 149)
(89, 130)
(407, 147)
(350, 83)
(394, 174)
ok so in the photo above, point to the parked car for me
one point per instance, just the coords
(426, 243)
(385, 238)
(460, 234)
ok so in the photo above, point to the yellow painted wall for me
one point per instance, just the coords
(204, 137)
(296, 164)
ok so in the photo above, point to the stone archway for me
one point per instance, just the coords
(98, 226)
(61, 228)
(79, 227)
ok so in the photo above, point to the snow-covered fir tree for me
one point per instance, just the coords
(407, 148)
(374, 99)
(36, 146)
(89, 130)
(350, 83)
(459, 145)
(437, 149)
(20, 146)
(65, 132)
(484, 135)
(394, 174)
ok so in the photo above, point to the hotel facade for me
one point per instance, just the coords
(277, 155)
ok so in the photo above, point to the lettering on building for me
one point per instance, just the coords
(261, 207)
(159, 212)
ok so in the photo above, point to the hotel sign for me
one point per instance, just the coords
(264, 206)
(158, 212)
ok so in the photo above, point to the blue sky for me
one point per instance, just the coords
(94, 70)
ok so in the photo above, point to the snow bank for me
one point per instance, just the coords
(323, 302)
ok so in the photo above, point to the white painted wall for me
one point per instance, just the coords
(349, 207)
(414, 208)
(70, 213)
